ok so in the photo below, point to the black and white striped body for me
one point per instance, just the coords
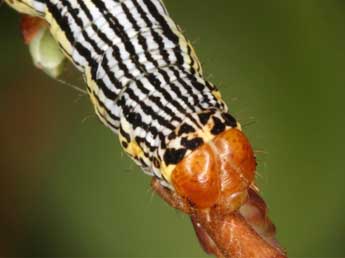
(143, 76)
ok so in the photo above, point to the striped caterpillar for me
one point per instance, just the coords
(147, 85)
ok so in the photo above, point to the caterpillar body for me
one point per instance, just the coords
(146, 84)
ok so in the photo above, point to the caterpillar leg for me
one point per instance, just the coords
(44, 50)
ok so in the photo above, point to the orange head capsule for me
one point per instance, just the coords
(218, 173)
(196, 177)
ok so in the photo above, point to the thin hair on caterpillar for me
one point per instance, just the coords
(261, 151)
(248, 123)
(70, 73)
(65, 81)
(258, 174)
(78, 98)
(209, 76)
(88, 117)
(72, 86)
(151, 193)
(195, 41)
(261, 157)
(131, 166)
(61, 81)
(130, 170)
(233, 99)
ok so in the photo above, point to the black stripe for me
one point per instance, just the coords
(136, 120)
(105, 39)
(166, 30)
(119, 31)
(174, 156)
(182, 81)
(101, 104)
(74, 14)
(177, 91)
(155, 100)
(125, 134)
(163, 52)
(157, 84)
(146, 109)
(83, 51)
(155, 35)
(173, 38)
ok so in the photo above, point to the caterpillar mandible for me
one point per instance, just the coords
(147, 85)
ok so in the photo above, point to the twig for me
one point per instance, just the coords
(247, 233)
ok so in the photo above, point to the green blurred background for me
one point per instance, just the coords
(67, 189)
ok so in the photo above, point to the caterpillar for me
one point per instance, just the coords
(147, 85)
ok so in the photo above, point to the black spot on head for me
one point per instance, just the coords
(204, 117)
(218, 126)
(134, 119)
(185, 128)
(193, 143)
(229, 119)
(174, 156)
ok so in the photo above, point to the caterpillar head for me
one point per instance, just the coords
(218, 168)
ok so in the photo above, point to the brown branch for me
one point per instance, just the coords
(231, 235)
